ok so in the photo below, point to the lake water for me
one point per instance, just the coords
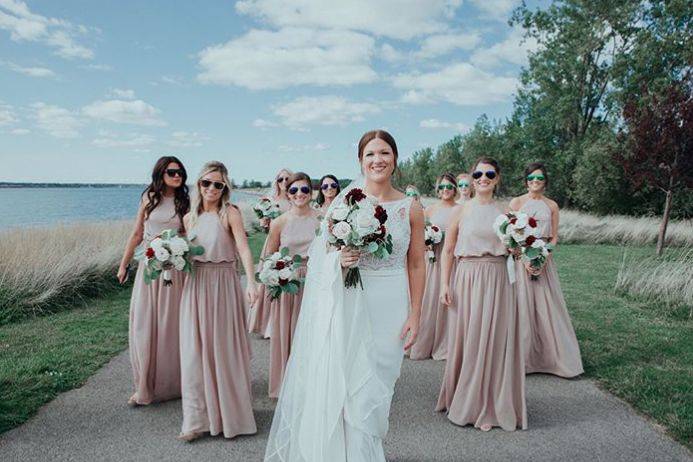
(23, 207)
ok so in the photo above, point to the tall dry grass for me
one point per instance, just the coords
(668, 280)
(45, 269)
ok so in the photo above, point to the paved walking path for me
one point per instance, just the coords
(569, 420)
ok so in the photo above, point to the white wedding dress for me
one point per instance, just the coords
(346, 357)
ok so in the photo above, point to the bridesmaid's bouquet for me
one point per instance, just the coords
(520, 234)
(434, 236)
(279, 273)
(359, 223)
(167, 252)
(266, 208)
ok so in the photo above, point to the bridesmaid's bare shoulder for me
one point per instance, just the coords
(553, 205)
(516, 203)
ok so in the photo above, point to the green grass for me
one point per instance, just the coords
(640, 351)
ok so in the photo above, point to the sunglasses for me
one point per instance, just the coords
(173, 172)
(217, 184)
(463, 184)
(325, 187)
(535, 177)
(294, 189)
(411, 194)
(447, 186)
(489, 174)
(282, 179)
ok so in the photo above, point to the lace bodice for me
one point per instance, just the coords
(398, 225)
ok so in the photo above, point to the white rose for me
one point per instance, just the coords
(161, 254)
(273, 278)
(285, 273)
(157, 243)
(179, 263)
(521, 222)
(178, 246)
(500, 219)
(340, 212)
(267, 265)
(341, 230)
(538, 244)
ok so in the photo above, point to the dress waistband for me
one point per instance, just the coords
(383, 272)
(212, 264)
(483, 259)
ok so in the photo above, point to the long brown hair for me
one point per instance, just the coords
(155, 191)
(381, 135)
(321, 197)
(537, 166)
(451, 178)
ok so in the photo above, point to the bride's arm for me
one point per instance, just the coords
(416, 267)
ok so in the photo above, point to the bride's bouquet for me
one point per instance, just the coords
(167, 252)
(358, 222)
(520, 234)
(266, 208)
(279, 273)
(434, 236)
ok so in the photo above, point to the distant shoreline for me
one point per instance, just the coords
(10, 185)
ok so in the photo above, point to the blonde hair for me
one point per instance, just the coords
(196, 206)
(471, 184)
(275, 186)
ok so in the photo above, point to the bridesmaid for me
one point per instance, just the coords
(413, 191)
(549, 340)
(464, 186)
(214, 347)
(484, 382)
(432, 341)
(296, 230)
(154, 308)
(329, 188)
(259, 316)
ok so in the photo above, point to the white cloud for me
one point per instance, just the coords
(182, 139)
(135, 112)
(23, 25)
(319, 147)
(112, 140)
(513, 49)
(98, 67)
(56, 121)
(322, 110)
(30, 71)
(262, 123)
(462, 84)
(442, 44)
(264, 59)
(400, 19)
(7, 115)
(438, 124)
(496, 9)
(391, 54)
(120, 93)
(20, 131)
(172, 80)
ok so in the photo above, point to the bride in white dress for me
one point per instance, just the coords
(349, 343)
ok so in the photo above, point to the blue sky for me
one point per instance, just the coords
(96, 91)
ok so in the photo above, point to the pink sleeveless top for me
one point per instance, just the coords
(298, 233)
(162, 217)
(441, 217)
(542, 212)
(475, 237)
(211, 234)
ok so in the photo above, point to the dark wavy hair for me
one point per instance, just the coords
(537, 166)
(155, 190)
(321, 197)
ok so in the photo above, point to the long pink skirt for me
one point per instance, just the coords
(484, 382)
(549, 340)
(432, 339)
(285, 312)
(259, 315)
(215, 353)
(153, 338)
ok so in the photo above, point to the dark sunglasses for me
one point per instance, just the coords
(535, 177)
(294, 189)
(463, 184)
(173, 172)
(447, 186)
(282, 179)
(217, 184)
(325, 187)
(489, 174)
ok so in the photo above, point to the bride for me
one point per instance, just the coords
(347, 352)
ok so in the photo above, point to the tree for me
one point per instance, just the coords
(660, 140)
